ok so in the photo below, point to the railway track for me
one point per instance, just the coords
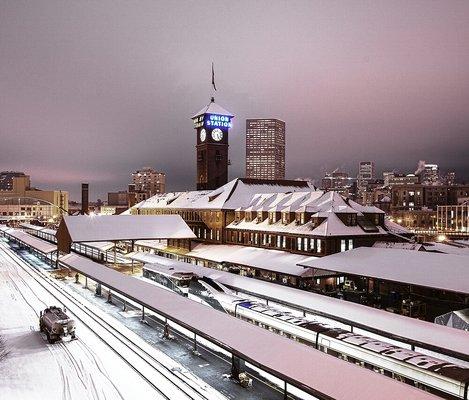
(169, 382)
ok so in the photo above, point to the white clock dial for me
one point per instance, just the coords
(203, 135)
(217, 134)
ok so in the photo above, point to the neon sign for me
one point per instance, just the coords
(218, 121)
(212, 121)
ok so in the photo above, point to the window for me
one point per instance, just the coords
(343, 245)
(350, 244)
(284, 242)
(299, 243)
(319, 246)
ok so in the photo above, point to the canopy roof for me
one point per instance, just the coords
(270, 260)
(38, 244)
(410, 330)
(422, 268)
(85, 228)
(320, 374)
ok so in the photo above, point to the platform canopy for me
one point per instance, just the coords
(278, 261)
(110, 228)
(419, 333)
(31, 241)
(420, 268)
(319, 374)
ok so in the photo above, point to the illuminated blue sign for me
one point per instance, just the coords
(217, 121)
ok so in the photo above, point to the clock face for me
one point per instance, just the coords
(217, 134)
(203, 135)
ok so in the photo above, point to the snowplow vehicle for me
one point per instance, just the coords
(56, 324)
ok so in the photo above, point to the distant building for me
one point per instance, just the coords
(418, 196)
(366, 172)
(120, 198)
(265, 149)
(6, 179)
(149, 181)
(429, 174)
(400, 179)
(20, 201)
(453, 219)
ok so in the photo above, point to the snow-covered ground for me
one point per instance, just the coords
(31, 368)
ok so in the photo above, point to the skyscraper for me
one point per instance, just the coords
(265, 148)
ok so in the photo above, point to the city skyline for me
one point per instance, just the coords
(105, 90)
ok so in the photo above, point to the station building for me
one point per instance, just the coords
(291, 216)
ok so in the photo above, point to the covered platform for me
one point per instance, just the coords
(414, 332)
(447, 272)
(117, 228)
(307, 369)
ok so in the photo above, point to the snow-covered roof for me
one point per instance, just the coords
(103, 246)
(213, 108)
(410, 330)
(31, 226)
(282, 357)
(38, 244)
(85, 228)
(447, 248)
(269, 260)
(422, 268)
(399, 245)
(393, 227)
(235, 194)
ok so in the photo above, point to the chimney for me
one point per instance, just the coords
(85, 205)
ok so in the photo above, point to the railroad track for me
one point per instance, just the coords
(169, 382)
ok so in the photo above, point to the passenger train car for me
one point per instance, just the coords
(440, 377)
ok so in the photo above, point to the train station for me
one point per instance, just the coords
(210, 325)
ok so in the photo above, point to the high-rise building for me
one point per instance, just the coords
(149, 181)
(212, 124)
(366, 172)
(265, 148)
(6, 179)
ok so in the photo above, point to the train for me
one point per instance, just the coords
(55, 323)
(431, 374)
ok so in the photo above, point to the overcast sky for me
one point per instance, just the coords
(92, 90)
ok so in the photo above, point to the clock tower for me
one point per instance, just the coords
(212, 124)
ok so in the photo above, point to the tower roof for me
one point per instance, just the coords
(213, 108)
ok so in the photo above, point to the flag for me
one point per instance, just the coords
(213, 78)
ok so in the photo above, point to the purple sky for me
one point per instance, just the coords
(90, 91)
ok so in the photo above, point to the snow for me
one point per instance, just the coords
(85, 228)
(422, 268)
(371, 319)
(213, 108)
(234, 194)
(38, 244)
(33, 369)
(279, 355)
(447, 248)
(399, 245)
(270, 260)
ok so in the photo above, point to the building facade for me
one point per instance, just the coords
(148, 180)
(23, 202)
(453, 219)
(212, 125)
(265, 149)
(289, 215)
(417, 197)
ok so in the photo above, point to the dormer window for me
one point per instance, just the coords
(285, 218)
(272, 219)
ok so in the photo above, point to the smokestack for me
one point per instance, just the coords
(85, 204)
